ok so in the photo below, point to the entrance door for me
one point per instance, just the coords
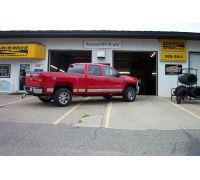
(195, 63)
(22, 74)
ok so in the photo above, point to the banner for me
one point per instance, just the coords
(22, 50)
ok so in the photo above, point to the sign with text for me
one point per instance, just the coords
(174, 56)
(173, 45)
(38, 68)
(22, 50)
(173, 50)
(102, 44)
(173, 69)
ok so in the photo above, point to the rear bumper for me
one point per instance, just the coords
(33, 90)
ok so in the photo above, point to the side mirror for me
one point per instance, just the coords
(118, 74)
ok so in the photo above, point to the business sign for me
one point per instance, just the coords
(173, 45)
(174, 56)
(173, 69)
(22, 50)
(38, 68)
(102, 44)
(173, 50)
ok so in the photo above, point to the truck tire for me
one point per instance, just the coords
(181, 91)
(108, 96)
(178, 99)
(45, 99)
(129, 94)
(62, 97)
(194, 92)
(188, 79)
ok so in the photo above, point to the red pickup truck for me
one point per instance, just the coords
(83, 79)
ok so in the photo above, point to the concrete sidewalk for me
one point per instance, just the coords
(152, 112)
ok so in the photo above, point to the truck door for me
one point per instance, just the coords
(79, 82)
(113, 82)
(95, 80)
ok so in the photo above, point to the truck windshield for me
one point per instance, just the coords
(76, 68)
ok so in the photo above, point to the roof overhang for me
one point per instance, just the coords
(101, 34)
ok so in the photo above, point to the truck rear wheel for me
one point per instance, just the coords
(62, 97)
(129, 94)
(45, 99)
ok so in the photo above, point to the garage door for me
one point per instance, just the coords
(195, 63)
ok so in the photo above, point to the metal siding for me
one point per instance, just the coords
(141, 44)
(193, 46)
(165, 83)
(77, 44)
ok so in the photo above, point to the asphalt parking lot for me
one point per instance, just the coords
(95, 126)
(147, 112)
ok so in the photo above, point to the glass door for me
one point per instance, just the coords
(22, 74)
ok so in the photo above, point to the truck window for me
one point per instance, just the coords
(94, 70)
(76, 68)
(110, 72)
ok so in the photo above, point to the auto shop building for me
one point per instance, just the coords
(154, 57)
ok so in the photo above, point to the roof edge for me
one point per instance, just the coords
(99, 34)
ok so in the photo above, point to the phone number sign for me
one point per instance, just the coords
(173, 56)
(173, 50)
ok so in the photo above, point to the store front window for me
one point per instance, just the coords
(4, 70)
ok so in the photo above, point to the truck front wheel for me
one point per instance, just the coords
(62, 97)
(129, 94)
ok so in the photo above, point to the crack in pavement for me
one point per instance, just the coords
(194, 145)
(95, 132)
(155, 136)
(90, 139)
(173, 149)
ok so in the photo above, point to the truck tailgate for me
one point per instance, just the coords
(34, 79)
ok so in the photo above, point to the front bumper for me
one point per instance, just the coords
(33, 90)
(137, 89)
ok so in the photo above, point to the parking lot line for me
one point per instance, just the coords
(106, 117)
(183, 109)
(69, 112)
(14, 102)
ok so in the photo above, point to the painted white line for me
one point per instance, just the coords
(68, 112)
(14, 102)
(106, 118)
(183, 109)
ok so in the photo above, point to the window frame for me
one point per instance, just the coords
(77, 72)
(9, 70)
(110, 68)
(95, 74)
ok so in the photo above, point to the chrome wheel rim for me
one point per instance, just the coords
(131, 95)
(64, 98)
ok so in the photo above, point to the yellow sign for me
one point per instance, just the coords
(23, 50)
(173, 45)
(173, 50)
(174, 56)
